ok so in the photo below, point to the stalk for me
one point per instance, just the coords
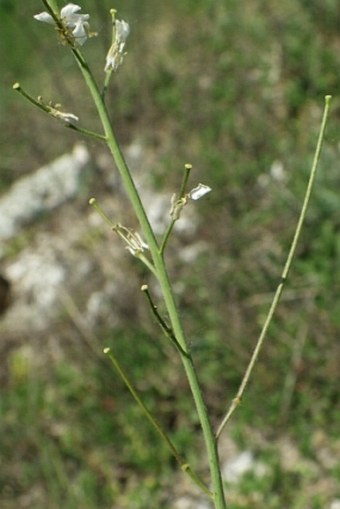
(163, 278)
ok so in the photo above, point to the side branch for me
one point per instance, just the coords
(236, 401)
(169, 333)
(155, 423)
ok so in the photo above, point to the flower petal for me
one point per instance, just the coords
(45, 17)
(199, 191)
(79, 33)
(122, 31)
(69, 10)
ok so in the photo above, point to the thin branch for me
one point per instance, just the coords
(181, 195)
(237, 400)
(30, 98)
(54, 112)
(155, 423)
(125, 234)
(169, 333)
(86, 132)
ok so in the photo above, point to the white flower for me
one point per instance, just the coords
(116, 54)
(199, 191)
(76, 23)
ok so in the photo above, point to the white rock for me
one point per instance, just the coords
(234, 469)
(44, 190)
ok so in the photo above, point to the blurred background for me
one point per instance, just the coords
(237, 89)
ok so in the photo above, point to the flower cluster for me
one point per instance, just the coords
(75, 25)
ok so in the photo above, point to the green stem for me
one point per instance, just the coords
(53, 10)
(182, 192)
(236, 401)
(107, 79)
(86, 132)
(51, 4)
(131, 190)
(184, 466)
(167, 236)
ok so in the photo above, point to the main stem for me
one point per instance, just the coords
(163, 278)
